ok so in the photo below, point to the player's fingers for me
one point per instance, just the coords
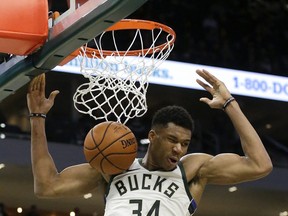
(204, 74)
(33, 84)
(204, 85)
(53, 95)
(207, 76)
(205, 100)
(42, 82)
(38, 82)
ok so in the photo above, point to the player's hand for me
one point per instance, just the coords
(217, 89)
(36, 100)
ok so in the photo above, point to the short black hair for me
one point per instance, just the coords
(174, 114)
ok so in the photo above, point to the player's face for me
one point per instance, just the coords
(168, 145)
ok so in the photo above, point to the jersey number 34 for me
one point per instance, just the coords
(154, 210)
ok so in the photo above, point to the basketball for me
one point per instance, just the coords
(110, 147)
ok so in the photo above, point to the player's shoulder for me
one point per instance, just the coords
(193, 162)
(196, 158)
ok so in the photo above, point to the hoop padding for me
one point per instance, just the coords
(118, 78)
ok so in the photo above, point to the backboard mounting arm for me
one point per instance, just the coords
(91, 23)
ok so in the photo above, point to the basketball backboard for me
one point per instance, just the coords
(80, 24)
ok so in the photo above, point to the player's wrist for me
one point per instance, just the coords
(228, 102)
(37, 115)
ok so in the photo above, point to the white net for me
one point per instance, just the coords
(117, 84)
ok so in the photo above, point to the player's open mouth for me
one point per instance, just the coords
(173, 160)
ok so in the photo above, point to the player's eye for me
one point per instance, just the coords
(172, 140)
(185, 144)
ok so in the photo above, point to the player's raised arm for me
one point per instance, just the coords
(47, 181)
(232, 168)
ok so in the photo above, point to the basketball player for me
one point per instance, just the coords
(167, 181)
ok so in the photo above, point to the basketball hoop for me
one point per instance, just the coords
(117, 74)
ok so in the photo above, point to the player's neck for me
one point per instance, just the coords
(148, 163)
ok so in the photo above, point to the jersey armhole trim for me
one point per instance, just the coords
(185, 180)
(193, 205)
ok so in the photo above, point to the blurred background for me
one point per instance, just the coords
(249, 35)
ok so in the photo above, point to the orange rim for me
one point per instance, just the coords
(129, 24)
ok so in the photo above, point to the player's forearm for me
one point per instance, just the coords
(252, 145)
(43, 165)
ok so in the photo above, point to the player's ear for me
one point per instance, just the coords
(151, 135)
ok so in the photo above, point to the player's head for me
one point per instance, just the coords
(169, 137)
(173, 114)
